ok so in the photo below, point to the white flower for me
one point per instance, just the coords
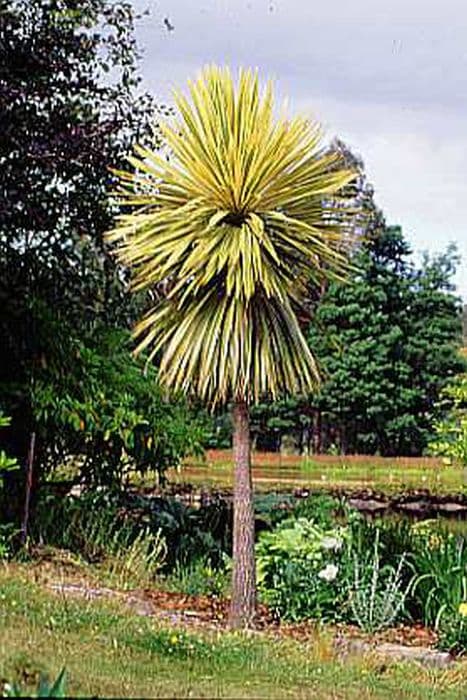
(329, 572)
(331, 543)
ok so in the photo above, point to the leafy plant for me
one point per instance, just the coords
(97, 524)
(322, 509)
(377, 594)
(109, 414)
(199, 578)
(271, 509)
(440, 565)
(6, 463)
(45, 689)
(452, 630)
(450, 439)
(298, 569)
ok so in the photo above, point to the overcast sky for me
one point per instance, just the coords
(389, 78)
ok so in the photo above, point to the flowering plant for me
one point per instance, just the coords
(298, 567)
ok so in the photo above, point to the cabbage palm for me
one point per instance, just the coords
(233, 221)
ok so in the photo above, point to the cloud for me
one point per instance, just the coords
(389, 78)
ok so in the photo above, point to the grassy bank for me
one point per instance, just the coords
(110, 651)
(272, 470)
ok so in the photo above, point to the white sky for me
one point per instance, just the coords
(389, 78)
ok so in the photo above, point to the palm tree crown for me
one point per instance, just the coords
(234, 219)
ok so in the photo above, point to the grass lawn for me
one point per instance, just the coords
(272, 470)
(110, 651)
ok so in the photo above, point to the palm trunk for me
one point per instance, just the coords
(243, 607)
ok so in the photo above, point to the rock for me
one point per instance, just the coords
(418, 507)
(368, 505)
(452, 508)
(427, 657)
(397, 652)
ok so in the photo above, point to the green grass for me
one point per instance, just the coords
(327, 472)
(109, 651)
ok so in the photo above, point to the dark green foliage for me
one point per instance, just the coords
(86, 525)
(103, 408)
(271, 509)
(387, 343)
(218, 430)
(323, 509)
(70, 107)
(271, 421)
(191, 533)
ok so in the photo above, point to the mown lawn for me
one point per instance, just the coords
(111, 652)
(272, 470)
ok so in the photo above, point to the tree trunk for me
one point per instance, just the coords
(243, 607)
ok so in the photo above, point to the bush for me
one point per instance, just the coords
(298, 566)
(323, 509)
(104, 409)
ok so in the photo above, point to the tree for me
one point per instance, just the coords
(100, 406)
(387, 343)
(234, 222)
(450, 434)
(70, 105)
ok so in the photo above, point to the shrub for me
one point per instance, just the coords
(271, 509)
(106, 408)
(298, 570)
(96, 524)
